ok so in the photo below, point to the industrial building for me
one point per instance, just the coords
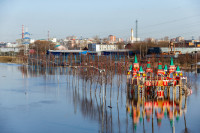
(102, 47)
(121, 53)
(9, 49)
(132, 38)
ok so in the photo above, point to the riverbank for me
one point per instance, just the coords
(9, 59)
(186, 66)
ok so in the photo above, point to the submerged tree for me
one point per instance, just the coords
(41, 46)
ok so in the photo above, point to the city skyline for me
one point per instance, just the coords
(102, 18)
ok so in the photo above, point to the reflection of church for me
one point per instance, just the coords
(144, 104)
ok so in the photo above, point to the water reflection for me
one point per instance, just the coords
(101, 100)
(143, 105)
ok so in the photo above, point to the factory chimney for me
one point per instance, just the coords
(132, 36)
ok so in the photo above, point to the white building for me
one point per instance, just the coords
(54, 40)
(32, 40)
(10, 49)
(21, 41)
(179, 39)
(13, 45)
(102, 47)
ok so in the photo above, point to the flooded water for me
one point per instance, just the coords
(32, 101)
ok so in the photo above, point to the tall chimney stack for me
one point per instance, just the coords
(132, 36)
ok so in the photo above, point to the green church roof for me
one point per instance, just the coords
(148, 64)
(171, 63)
(165, 68)
(141, 70)
(159, 65)
(135, 61)
(131, 68)
(178, 69)
(57, 46)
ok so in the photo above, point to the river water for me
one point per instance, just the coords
(35, 102)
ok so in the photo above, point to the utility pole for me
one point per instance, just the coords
(137, 37)
(136, 30)
(196, 58)
(48, 35)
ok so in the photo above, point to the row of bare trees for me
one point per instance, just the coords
(38, 47)
(142, 47)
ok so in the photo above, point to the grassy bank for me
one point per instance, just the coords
(9, 59)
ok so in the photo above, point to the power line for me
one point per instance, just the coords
(171, 21)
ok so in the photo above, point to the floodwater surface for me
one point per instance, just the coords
(35, 102)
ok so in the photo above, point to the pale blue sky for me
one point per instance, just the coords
(87, 18)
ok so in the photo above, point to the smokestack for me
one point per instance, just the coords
(131, 35)
(22, 31)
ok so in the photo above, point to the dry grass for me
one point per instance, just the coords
(7, 59)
